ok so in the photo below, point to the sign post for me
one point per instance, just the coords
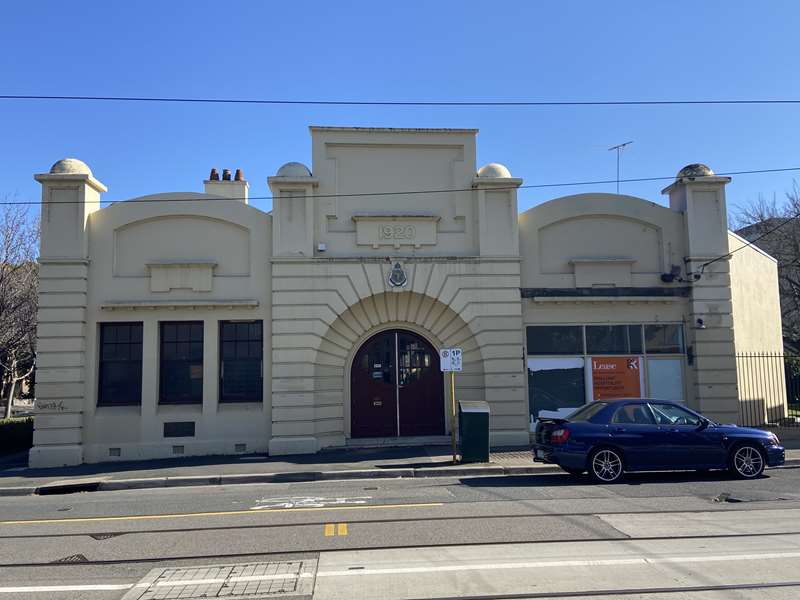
(450, 362)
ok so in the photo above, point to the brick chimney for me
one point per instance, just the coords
(227, 187)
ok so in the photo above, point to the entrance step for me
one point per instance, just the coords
(398, 442)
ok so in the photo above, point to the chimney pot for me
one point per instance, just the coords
(214, 175)
(238, 176)
(226, 174)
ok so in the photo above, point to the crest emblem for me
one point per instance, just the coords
(397, 277)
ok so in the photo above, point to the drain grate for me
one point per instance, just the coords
(250, 581)
(72, 558)
(104, 536)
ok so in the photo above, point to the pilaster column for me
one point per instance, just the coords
(69, 195)
(700, 196)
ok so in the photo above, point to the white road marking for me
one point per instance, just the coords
(409, 570)
(558, 563)
(33, 589)
(307, 502)
(233, 579)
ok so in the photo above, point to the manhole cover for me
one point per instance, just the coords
(250, 581)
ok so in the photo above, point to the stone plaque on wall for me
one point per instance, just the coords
(396, 230)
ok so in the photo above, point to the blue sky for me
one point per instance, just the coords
(399, 51)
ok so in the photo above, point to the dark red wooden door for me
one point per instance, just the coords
(373, 388)
(421, 388)
(396, 365)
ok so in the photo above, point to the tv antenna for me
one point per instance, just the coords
(619, 148)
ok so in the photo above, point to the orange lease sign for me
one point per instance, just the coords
(616, 377)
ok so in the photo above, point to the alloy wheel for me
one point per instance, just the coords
(606, 465)
(748, 462)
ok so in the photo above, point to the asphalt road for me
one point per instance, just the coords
(668, 535)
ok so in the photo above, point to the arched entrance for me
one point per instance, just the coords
(396, 387)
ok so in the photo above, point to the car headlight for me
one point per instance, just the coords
(773, 439)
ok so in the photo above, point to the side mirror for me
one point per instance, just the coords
(704, 423)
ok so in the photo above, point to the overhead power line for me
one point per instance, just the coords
(750, 243)
(414, 192)
(429, 103)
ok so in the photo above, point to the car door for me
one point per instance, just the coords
(633, 429)
(688, 441)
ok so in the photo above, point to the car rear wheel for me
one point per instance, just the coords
(606, 466)
(747, 461)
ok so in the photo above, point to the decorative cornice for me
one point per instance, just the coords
(623, 293)
(178, 304)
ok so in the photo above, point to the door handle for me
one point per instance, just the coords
(619, 429)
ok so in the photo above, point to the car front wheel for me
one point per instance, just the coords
(605, 465)
(747, 461)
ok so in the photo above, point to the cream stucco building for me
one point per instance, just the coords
(194, 323)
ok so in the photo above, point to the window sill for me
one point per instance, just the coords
(180, 408)
(235, 402)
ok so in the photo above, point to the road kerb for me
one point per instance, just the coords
(17, 491)
(457, 471)
(302, 477)
(132, 484)
(366, 474)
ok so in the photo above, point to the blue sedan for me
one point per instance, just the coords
(608, 438)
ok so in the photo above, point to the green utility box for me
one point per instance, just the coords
(473, 426)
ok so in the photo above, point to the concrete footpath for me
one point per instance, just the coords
(16, 479)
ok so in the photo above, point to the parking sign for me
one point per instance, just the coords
(450, 359)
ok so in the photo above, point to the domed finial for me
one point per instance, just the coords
(293, 169)
(238, 176)
(695, 170)
(214, 175)
(494, 170)
(226, 174)
(70, 166)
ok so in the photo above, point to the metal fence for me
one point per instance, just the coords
(769, 389)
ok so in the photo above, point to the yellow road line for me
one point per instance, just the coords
(341, 529)
(219, 514)
(329, 530)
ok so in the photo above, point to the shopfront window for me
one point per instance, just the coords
(569, 365)
(665, 378)
(555, 339)
(555, 383)
(613, 339)
(663, 339)
(181, 365)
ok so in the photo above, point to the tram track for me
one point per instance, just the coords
(694, 589)
(376, 521)
(376, 547)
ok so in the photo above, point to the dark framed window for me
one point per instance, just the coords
(555, 339)
(241, 374)
(181, 364)
(663, 339)
(120, 364)
(613, 339)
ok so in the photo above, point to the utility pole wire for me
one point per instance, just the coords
(485, 103)
(409, 192)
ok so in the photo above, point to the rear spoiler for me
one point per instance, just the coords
(551, 419)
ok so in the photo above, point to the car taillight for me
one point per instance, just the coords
(559, 436)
